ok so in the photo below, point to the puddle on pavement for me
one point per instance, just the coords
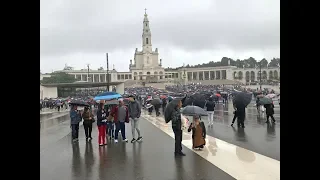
(53, 120)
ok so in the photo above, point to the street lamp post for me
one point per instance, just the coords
(108, 82)
(88, 66)
(260, 79)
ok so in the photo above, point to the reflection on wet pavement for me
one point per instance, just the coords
(257, 136)
(151, 159)
(236, 161)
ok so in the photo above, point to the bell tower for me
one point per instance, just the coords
(146, 34)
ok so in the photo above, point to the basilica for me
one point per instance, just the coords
(146, 67)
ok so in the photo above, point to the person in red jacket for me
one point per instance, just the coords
(120, 115)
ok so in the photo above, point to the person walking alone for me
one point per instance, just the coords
(101, 123)
(134, 114)
(270, 112)
(210, 110)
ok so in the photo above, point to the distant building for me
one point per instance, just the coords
(148, 68)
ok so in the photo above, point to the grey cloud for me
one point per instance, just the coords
(80, 26)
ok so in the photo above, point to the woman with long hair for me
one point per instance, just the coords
(102, 115)
(87, 123)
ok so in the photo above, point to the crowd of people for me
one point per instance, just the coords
(111, 118)
(110, 121)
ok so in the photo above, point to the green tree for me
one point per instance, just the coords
(275, 62)
(58, 77)
(251, 62)
(264, 63)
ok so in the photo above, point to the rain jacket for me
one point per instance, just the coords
(75, 117)
(102, 114)
(210, 106)
(176, 119)
(86, 117)
(134, 109)
(114, 114)
(269, 109)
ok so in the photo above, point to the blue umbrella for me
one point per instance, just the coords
(107, 93)
(108, 97)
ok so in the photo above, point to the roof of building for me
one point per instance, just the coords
(82, 84)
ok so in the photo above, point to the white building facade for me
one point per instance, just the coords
(146, 66)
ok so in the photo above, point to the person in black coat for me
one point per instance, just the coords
(269, 112)
(210, 110)
(240, 114)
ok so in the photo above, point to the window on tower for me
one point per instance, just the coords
(147, 41)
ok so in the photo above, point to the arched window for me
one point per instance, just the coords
(147, 40)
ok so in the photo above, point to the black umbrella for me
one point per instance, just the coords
(242, 99)
(170, 109)
(78, 103)
(155, 102)
(193, 110)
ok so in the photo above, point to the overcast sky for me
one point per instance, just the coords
(80, 32)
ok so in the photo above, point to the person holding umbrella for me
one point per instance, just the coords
(172, 113)
(75, 118)
(198, 132)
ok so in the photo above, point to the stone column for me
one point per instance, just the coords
(99, 78)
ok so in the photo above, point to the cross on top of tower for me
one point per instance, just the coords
(145, 10)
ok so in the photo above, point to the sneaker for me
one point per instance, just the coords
(74, 140)
(90, 138)
(105, 144)
(100, 144)
(116, 140)
(125, 140)
(139, 138)
(133, 140)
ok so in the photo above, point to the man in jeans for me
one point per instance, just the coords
(75, 118)
(134, 114)
(121, 116)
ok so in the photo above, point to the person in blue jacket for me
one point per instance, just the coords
(75, 118)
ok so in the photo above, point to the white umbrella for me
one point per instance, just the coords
(271, 96)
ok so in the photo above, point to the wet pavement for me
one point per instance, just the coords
(151, 159)
(257, 136)
(245, 158)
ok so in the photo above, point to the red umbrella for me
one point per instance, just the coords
(163, 96)
(219, 95)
